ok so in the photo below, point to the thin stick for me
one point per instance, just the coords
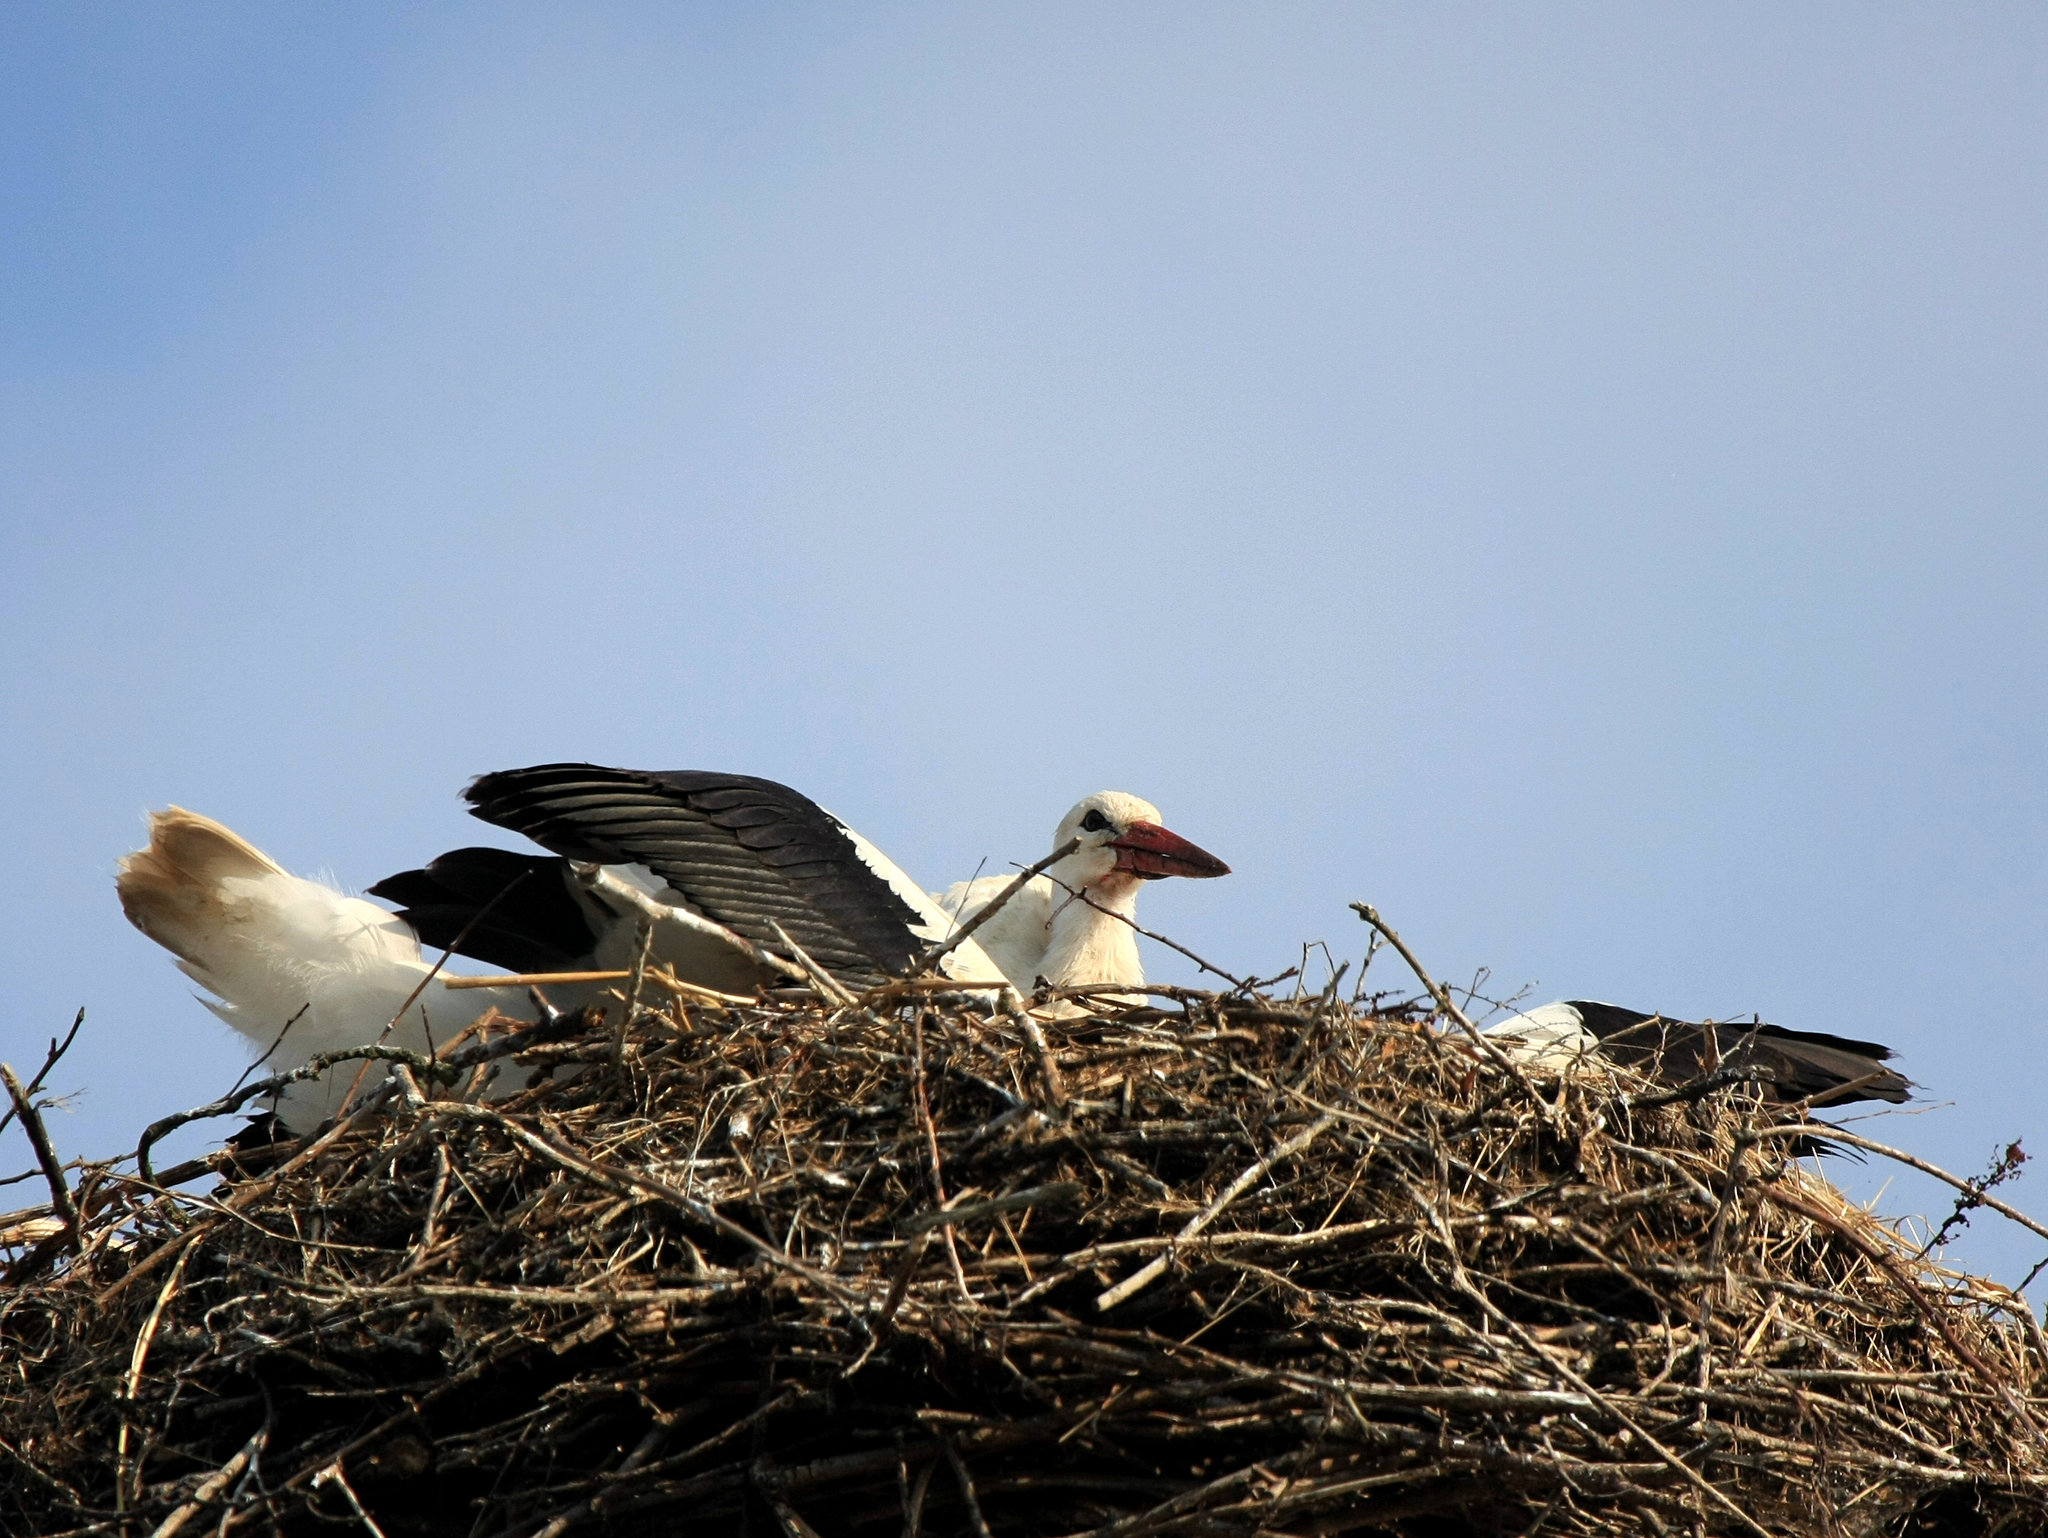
(275, 1042)
(435, 970)
(1868, 1145)
(1078, 895)
(136, 1360)
(634, 982)
(655, 970)
(227, 1105)
(533, 979)
(899, 1284)
(931, 1133)
(697, 993)
(1442, 996)
(596, 879)
(938, 953)
(913, 1506)
(49, 1061)
(1055, 1086)
(53, 1171)
(966, 1483)
(645, 1448)
(822, 982)
(215, 1483)
(333, 1475)
(1059, 1192)
(436, 1195)
(420, 987)
(793, 1524)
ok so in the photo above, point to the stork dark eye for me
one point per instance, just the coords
(1094, 822)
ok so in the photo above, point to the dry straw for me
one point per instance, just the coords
(1219, 1264)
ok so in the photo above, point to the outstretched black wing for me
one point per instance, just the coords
(748, 853)
(1795, 1063)
(508, 910)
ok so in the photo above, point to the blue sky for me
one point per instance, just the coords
(1573, 478)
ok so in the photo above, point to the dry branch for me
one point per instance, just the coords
(46, 1157)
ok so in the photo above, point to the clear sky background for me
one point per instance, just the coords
(1573, 477)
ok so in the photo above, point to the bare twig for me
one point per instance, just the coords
(227, 1105)
(211, 1488)
(144, 1337)
(598, 880)
(1048, 1064)
(2004, 1167)
(648, 1445)
(271, 1050)
(46, 1155)
(1822, 1130)
(1487, 1049)
(931, 1137)
(828, 987)
(966, 1484)
(960, 936)
(57, 1050)
(1059, 1192)
(634, 982)
(333, 1475)
(434, 971)
(1077, 894)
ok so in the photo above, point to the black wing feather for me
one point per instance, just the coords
(1795, 1064)
(746, 852)
(507, 910)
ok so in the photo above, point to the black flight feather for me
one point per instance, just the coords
(529, 921)
(1794, 1064)
(746, 852)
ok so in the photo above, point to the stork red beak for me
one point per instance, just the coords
(1148, 852)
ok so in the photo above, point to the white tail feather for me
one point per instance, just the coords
(278, 951)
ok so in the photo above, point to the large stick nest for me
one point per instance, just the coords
(1235, 1265)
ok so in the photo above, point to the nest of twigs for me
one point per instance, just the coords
(1227, 1265)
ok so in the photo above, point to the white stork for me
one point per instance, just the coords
(734, 872)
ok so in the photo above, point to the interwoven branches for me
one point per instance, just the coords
(1230, 1265)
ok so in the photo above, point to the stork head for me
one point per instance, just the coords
(1122, 843)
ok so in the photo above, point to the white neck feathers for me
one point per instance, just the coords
(1090, 946)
